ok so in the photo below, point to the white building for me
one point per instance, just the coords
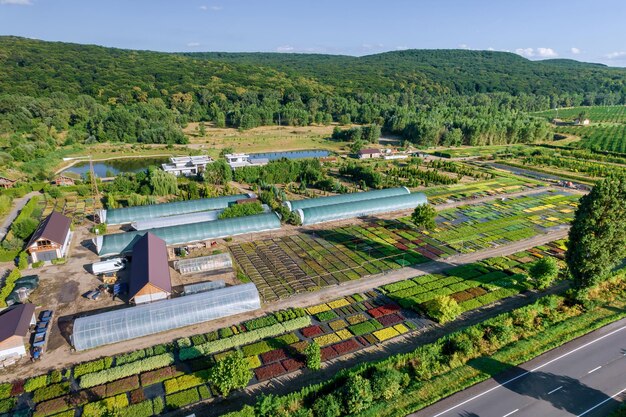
(238, 160)
(187, 165)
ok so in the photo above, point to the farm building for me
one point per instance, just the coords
(51, 238)
(127, 215)
(15, 325)
(117, 243)
(345, 198)
(321, 214)
(6, 182)
(62, 180)
(130, 323)
(187, 165)
(150, 273)
(369, 153)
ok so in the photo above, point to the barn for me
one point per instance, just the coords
(51, 239)
(150, 273)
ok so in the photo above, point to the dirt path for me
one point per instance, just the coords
(18, 205)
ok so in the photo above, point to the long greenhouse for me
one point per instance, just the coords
(134, 322)
(201, 216)
(126, 215)
(321, 214)
(345, 198)
(119, 243)
(208, 263)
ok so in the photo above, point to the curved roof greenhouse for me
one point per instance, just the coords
(345, 198)
(133, 322)
(313, 215)
(117, 243)
(131, 214)
(201, 216)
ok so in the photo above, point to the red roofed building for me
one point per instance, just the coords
(51, 239)
(6, 182)
(150, 272)
(15, 325)
(369, 153)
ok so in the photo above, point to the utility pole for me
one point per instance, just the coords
(94, 184)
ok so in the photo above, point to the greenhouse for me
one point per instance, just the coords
(345, 198)
(313, 215)
(201, 216)
(204, 263)
(133, 322)
(126, 215)
(118, 243)
(203, 287)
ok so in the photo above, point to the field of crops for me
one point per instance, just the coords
(604, 137)
(612, 114)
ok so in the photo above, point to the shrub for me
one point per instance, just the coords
(122, 385)
(9, 284)
(260, 322)
(256, 348)
(184, 382)
(387, 383)
(327, 339)
(327, 406)
(130, 357)
(158, 405)
(385, 334)
(269, 371)
(313, 356)
(183, 342)
(205, 392)
(142, 409)
(158, 375)
(35, 382)
(106, 375)
(443, 309)
(231, 373)
(357, 394)
(106, 406)
(88, 367)
(51, 391)
(181, 399)
(5, 390)
(7, 405)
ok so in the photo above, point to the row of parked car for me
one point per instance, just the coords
(40, 337)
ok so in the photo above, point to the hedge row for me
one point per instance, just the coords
(93, 366)
(244, 338)
(9, 284)
(7, 404)
(143, 409)
(111, 374)
(51, 391)
(183, 398)
(35, 382)
(184, 382)
(106, 406)
(5, 390)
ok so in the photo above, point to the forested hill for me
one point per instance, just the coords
(32, 67)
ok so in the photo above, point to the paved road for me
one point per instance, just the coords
(18, 205)
(586, 377)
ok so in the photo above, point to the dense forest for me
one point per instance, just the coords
(54, 94)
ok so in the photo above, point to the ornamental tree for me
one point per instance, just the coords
(230, 373)
(424, 216)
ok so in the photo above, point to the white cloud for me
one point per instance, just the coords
(491, 48)
(575, 51)
(193, 44)
(17, 2)
(285, 48)
(527, 52)
(546, 52)
(204, 8)
(214, 8)
(616, 55)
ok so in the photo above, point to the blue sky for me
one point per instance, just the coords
(582, 30)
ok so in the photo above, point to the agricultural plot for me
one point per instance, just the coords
(473, 227)
(613, 114)
(71, 205)
(604, 137)
(499, 185)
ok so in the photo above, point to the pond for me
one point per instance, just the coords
(291, 154)
(115, 166)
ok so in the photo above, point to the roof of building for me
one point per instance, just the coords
(345, 198)
(369, 151)
(5, 179)
(54, 228)
(15, 321)
(149, 265)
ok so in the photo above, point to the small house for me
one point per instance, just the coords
(15, 323)
(583, 122)
(369, 153)
(6, 182)
(187, 165)
(62, 180)
(150, 272)
(51, 239)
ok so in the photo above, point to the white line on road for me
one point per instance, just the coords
(600, 403)
(594, 369)
(555, 390)
(512, 412)
(532, 370)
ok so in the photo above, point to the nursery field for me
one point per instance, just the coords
(604, 137)
(613, 114)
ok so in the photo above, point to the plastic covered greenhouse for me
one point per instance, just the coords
(345, 198)
(131, 214)
(133, 322)
(201, 216)
(322, 214)
(203, 286)
(117, 243)
(204, 263)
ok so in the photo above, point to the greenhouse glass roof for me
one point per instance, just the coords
(130, 214)
(322, 214)
(201, 216)
(133, 322)
(117, 243)
(345, 198)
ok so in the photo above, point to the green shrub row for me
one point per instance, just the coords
(105, 407)
(92, 366)
(143, 353)
(143, 409)
(181, 399)
(244, 338)
(51, 391)
(260, 322)
(118, 372)
(7, 404)
(5, 390)
(326, 315)
(35, 382)
(184, 382)
(9, 284)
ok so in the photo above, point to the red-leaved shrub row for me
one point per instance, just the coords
(273, 356)
(292, 364)
(347, 346)
(270, 371)
(390, 320)
(383, 310)
(137, 396)
(328, 353)
(311, 331)
(362, 341)
(158, 375)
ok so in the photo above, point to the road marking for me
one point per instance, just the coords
(601, 403)
(527, 372)
(555, 390)
(594, 369)
(514, 411)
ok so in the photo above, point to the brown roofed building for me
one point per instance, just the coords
(150, 272)
(62, 180)
(369, 153)
(51, 239)
(6, 182)
(15, 325)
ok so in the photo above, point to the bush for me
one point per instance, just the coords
(22, 262)
(51, 391)
(327, 406)
(88, 367)
(443, 309)
(122, 385)
(181, 399)
(184, 382)
(313, 356)
(231, 373)
(357, 394)
(9, 284)
(118, 372)
(7, 404)
(130, 357)
(143, 409)
(387, 383)
(5, 390)
(35, 382)
(158, 405)
(106, 406)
